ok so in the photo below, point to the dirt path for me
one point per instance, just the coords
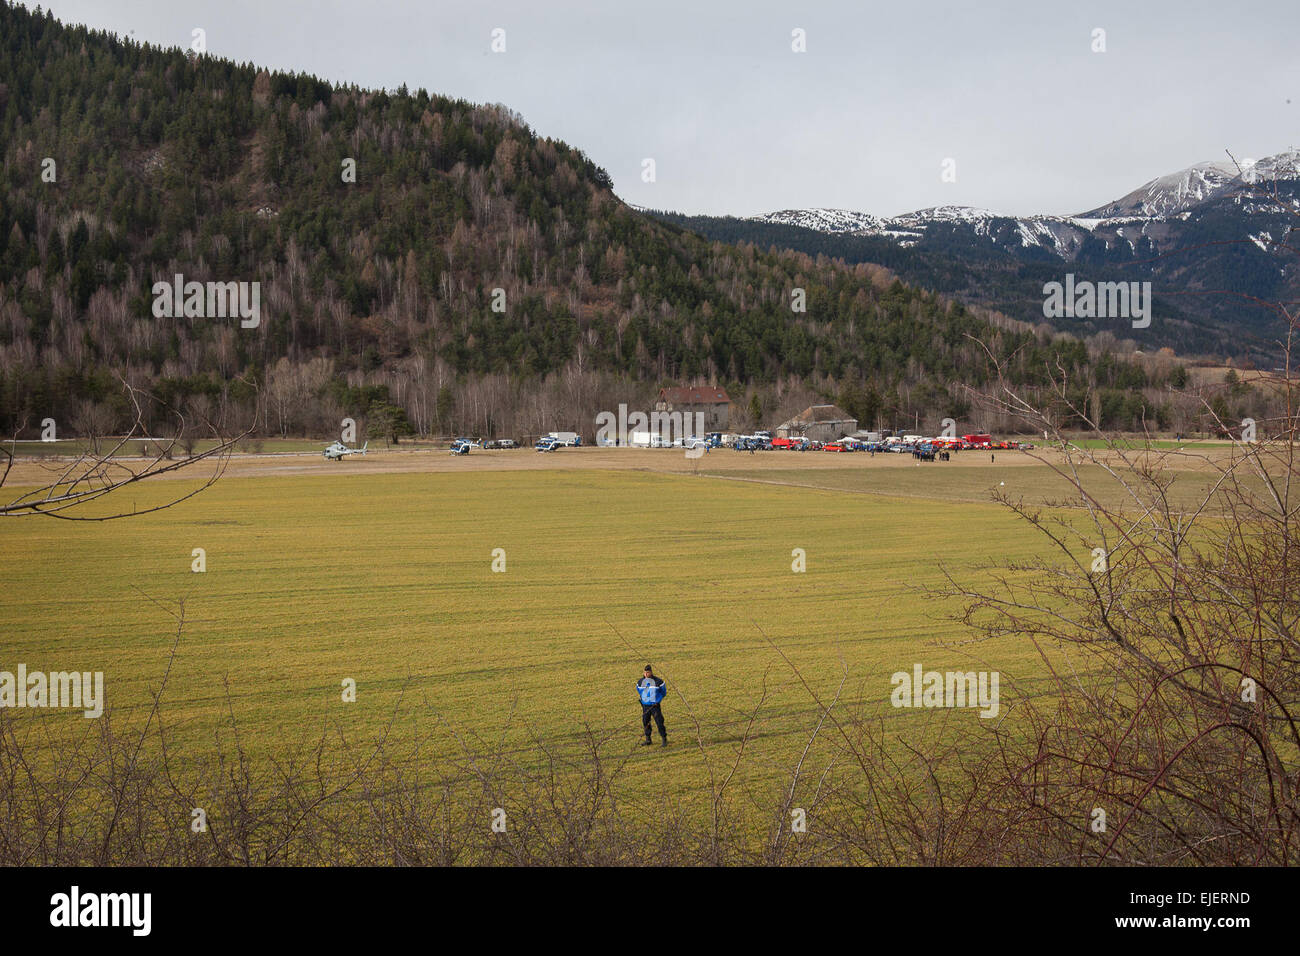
(29, 472)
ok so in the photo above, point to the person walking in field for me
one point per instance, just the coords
(651, 690)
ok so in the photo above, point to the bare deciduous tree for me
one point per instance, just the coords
(104, 466)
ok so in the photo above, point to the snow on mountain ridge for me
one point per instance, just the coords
(1172, 196)
(1168, 195)
(949, 214)
(824, 220)
(1285, 165)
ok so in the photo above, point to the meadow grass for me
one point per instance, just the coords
(387, 579)
(1034, 486)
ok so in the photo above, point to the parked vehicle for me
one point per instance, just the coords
(570, 439)
(338, 451)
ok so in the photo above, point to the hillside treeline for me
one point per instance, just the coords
(473, 277)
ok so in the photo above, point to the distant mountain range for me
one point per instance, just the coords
(1210, 238)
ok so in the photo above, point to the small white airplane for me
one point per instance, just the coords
(339, 450)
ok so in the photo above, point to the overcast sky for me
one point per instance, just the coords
(738, 123)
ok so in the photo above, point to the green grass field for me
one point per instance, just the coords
(387, 579)
(1156, 443)
(1035, 486)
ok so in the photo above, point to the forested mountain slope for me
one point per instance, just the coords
(125, 164)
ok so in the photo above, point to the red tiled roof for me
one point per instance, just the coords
(697, 395)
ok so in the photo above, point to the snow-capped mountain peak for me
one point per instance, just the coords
(1214, 225)
(825, 220)
(1169, 195)
(944, 214)
(1284, 165)
(1139, 217)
